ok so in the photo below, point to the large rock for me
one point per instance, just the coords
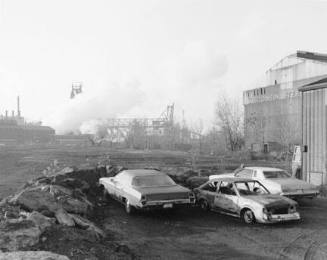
(73, 205)
(64, 218)
(18, 234)
(36, 199)
(88, 225)
(32, 255)
(39, 220)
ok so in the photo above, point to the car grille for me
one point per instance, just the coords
(167, 196)
(279, 211)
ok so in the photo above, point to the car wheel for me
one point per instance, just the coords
(128, 207)
(204, 205)
(248, 216)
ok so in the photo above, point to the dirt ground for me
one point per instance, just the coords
(180, 234)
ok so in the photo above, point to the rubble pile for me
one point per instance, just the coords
(65, 197)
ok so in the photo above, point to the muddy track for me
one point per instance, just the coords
(296, 250)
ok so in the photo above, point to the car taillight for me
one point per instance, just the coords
(292, 209)
(143, 199)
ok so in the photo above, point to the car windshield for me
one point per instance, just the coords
(152, 181)
(246, 188)
(276, 174)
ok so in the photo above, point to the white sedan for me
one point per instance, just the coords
(277, 181)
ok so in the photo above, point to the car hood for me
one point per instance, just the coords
(161, 189)
(271, 200)
(293, 184)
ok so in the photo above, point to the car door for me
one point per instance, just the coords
(226, 198)
(209, 191)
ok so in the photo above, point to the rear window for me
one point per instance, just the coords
(152, 181)
(276, 174)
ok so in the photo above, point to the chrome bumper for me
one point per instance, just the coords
(281, 217)
(301, 193)
(162, 203)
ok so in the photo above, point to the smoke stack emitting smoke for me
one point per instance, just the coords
(188, 80)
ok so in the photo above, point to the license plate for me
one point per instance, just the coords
(168, 206)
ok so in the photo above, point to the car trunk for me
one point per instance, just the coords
(164, 193)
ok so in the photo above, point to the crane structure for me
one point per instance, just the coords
(117, 129)
(76, 89)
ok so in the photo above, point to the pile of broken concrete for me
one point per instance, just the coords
(57, 198)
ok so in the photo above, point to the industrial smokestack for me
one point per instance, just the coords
(18, 107)
(13, 113)
(6, 113)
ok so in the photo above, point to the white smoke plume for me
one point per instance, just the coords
(88, 109)
(190, 79)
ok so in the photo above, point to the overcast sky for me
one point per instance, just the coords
(135, 57)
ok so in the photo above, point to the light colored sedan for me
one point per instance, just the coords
(247, 199)
(277, 181)
(146, 189)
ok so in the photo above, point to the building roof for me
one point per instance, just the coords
(319, 84)
(312, 56)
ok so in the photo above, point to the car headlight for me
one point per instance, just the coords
(292, 209)
(267, 213)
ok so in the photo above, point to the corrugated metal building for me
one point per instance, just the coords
(273, 111)
(314, 132)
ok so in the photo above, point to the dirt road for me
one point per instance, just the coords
(193, 234)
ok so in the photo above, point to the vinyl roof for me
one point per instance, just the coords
(232, 179)
(142, 172)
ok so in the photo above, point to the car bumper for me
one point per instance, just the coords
(166, 204)
(301, 194)
(281, 218)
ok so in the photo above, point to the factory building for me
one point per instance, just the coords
(15, 130)
(314, 132)
(272, 111)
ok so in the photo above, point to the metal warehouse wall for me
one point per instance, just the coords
(314, 127)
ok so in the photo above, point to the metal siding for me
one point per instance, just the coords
(314, 132)
(304, 133)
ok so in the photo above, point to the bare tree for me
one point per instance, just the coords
(229, 119)
(288, 131)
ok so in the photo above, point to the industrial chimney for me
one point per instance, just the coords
(18, 107)
(12, 113)
(6, 113)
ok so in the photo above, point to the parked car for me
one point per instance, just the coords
(146, 189)
(247, 199)
(276, 180)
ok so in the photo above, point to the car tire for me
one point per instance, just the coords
(128, 207)
(248, 216)
(105, 195)
(204, 205)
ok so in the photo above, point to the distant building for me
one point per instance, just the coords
(273, 110)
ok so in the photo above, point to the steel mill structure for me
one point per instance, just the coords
(15, 130)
